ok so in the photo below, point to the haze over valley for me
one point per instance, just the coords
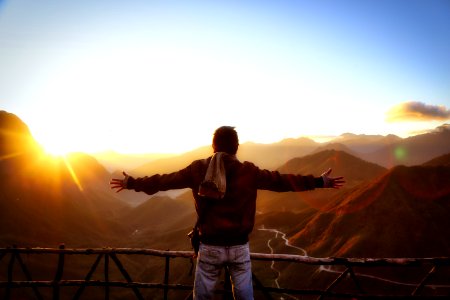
(396, 201)
(49, 200)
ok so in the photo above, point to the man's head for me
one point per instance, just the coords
(225, 140)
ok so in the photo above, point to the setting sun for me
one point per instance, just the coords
(55, 148)
(57, 141)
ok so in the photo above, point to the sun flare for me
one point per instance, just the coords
(55, 146)
(56, 149)
(72, 173)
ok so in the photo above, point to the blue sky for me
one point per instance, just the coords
(160, 76)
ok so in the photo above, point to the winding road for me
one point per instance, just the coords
(286, 242)
(329, 269)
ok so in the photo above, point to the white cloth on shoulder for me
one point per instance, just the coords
(215, 183)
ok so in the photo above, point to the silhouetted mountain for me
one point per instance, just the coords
(46, 200)
(336, 147)
(355, 171)
(17, 146)
(404, 213)
(414, 150)
(443, 160)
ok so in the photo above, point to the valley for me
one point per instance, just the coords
(398, 208)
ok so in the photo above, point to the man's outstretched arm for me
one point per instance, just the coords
(155, 183)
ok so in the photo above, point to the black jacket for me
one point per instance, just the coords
(230, 220)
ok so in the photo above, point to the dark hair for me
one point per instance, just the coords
(225, 140)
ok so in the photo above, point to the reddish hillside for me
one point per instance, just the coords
(355, 171)
(402, 214)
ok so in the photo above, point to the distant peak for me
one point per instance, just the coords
(443, 128)
(348, 134)
(11, 121)
(298, 140)
(15, 136)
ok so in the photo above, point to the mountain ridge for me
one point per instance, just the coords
(42, 203)
(386, 151)
(366, 222)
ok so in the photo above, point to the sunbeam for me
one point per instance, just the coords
(72, 173)
(9, 156)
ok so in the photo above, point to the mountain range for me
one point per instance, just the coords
(46, 200)
(386, 151)
(393, 205)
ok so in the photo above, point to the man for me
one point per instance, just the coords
(225, 192)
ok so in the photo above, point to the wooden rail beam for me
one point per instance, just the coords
(109, 254)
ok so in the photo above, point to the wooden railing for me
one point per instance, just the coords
(10, 257)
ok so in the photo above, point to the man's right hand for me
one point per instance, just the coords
(119, 184)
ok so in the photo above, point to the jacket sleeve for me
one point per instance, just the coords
(162, 182)
(275, 181)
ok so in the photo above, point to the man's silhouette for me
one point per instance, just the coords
(225, 192)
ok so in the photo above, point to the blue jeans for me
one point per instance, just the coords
(210, 262)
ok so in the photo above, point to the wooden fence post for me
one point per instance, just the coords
(127, 276)
(28, 276)
(10, 273)
(166, 278)
(59, 273)
(419, 287)
(88, 277)
(106, 277)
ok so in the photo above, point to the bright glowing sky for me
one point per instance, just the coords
(160, 76)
